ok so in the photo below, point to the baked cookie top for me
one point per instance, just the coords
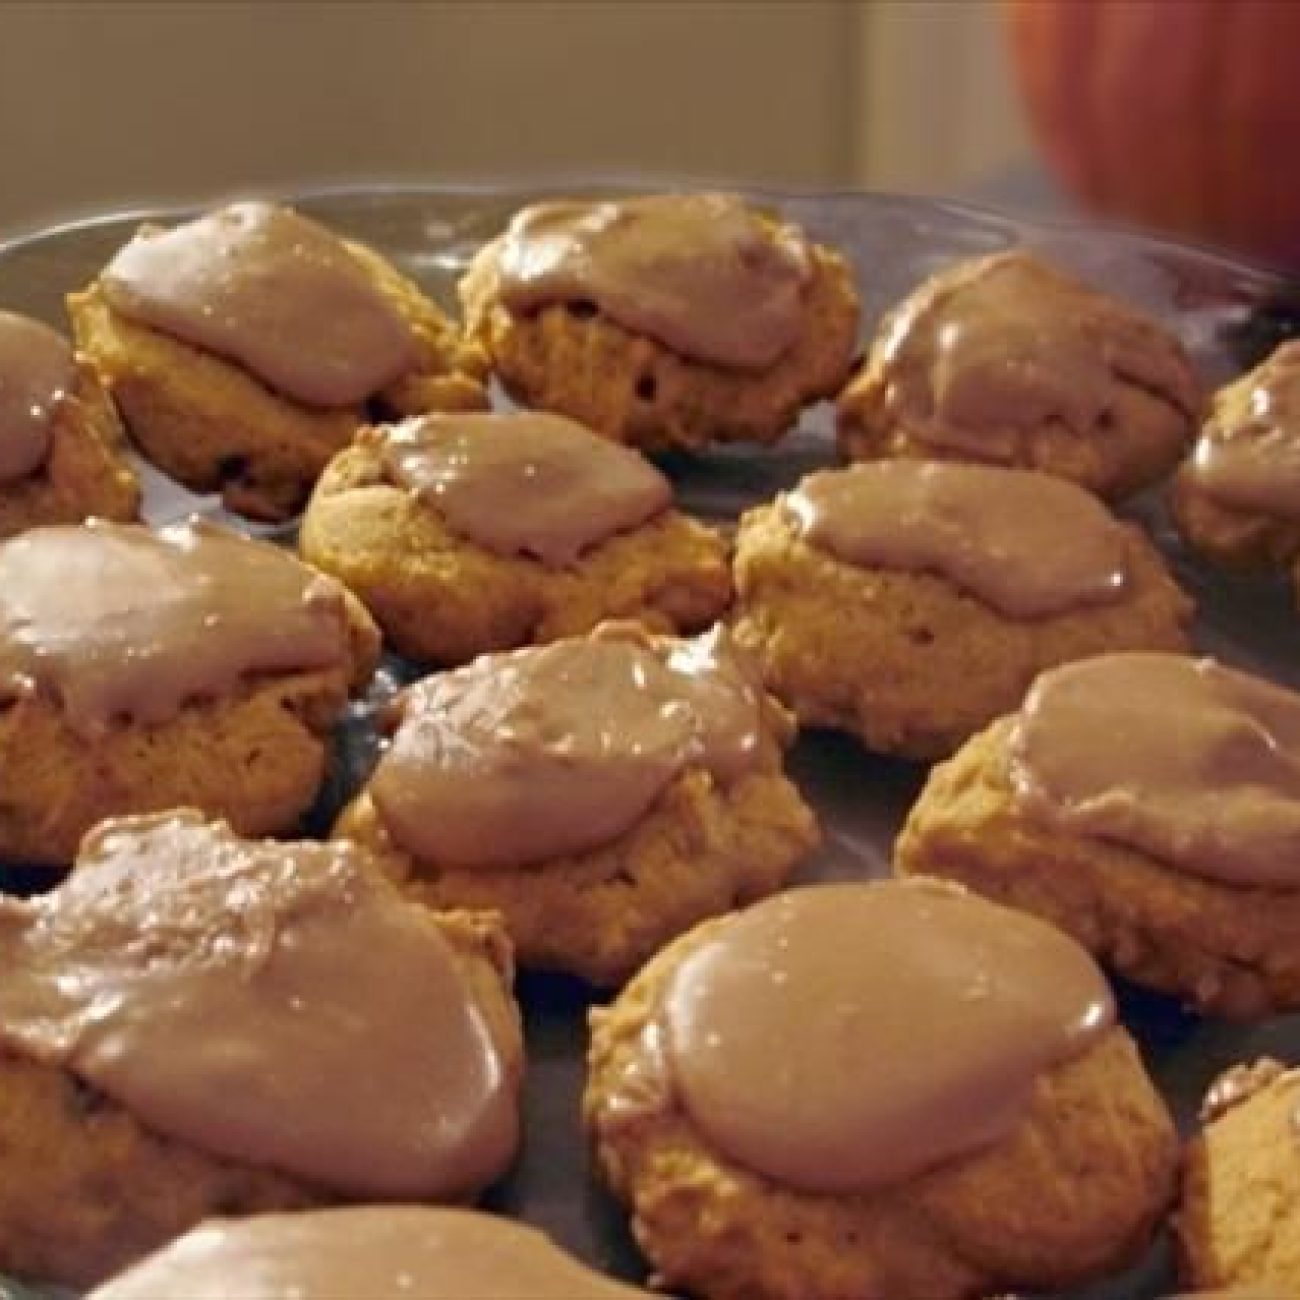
(1188, 760)
(1248, 455)
(552, 750)
(380, 1251)
(843, 1038)
(115, 621)
(523, 484)
(1009, 360)
(279, 1004)
(37, 372)
(272, 290)
(703, 274)
(1027, 544)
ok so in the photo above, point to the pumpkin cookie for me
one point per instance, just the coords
(61, 445)
(146, 670)
(468, 533)
(910, 603)
(876, 1092)
(196, 1024)
(1238, 1224)
(370, 1251)
(1008, 361)
(1237, 499)
(602, 795)
(1149, 805)
(666, 321)
(246, 347)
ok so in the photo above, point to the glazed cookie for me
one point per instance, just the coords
(876, 1092)
(245, 348)
(1150, 806)
(1237, 499)
(674, 320)
(469, 533)
(61, 445)
(1238, 1224)
(196, 1024)
(372, 1251)
(146, 670)
(602, 795)
(1008, 361)
(911, 602)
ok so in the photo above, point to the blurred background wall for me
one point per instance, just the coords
(106, 103)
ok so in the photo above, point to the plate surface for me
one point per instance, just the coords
(1227, 314)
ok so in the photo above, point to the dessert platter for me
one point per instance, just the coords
(498, 607)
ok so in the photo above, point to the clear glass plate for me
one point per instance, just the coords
(1229, 315)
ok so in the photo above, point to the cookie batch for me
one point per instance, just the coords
(248, 1052)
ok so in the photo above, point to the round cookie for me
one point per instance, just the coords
(1149, 805)
(245, 348)
(370, 1251)
(470, 533)
(194, 1024)
(1007, 360)
(910, 602)
(144, 670)
(876, 1092)
(664, 321)
(1236, 500)
(602, 795)
(1237, 1224)
(61, 444)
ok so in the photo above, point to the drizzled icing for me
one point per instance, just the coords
(1248, 457)
(532, 755)
(37, 372)
(114, 621)
(846, 1037)
(370, 1251)
(279, 1004)
(1187, 760)
(527, 484)
(700, 273)
(268, 288)
(1028, 544)
(1009, 343)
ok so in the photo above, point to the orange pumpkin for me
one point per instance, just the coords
(1178, 114)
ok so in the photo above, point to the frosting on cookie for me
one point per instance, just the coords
(1184, 759)
(265, 287)
(377, 1251)
(1249, 455)
(847, 1037)
(275, 1003)
(532, 755)
(1009, 343)
(527, 484)
(702, 274)
(1238, 1085)
(1025, 543)
(37, 372)
(115, 622)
